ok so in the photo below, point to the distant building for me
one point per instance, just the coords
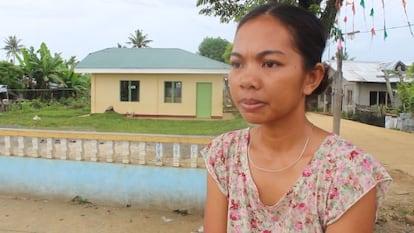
(155, 82)
(364, 84)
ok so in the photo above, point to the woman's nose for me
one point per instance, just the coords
(249, 78)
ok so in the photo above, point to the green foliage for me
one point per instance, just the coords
(227, 53)
(57, 116)
(227, 10)
(11, 75)
(12, 47)
(80, 200)
(405, 91)
(230, 10)
(138, 39)
(213, 48)
(42, 69)
(79, 83)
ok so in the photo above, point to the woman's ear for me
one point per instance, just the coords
(313, 78)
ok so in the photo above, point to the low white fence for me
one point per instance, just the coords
(143, 149)
(403, 122)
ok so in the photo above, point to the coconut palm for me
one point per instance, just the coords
(12, 47)
(138, 39)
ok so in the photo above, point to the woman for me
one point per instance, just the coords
(285, 174)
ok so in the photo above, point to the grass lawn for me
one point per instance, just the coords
(64, 118)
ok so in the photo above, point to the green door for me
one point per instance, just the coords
(203, 108)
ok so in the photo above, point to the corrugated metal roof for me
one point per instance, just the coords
(357, 71)
(148, 58)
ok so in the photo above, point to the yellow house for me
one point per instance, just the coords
(155, 82)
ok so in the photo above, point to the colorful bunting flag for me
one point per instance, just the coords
(372, 14)
(404, 3)
(353, 7)
(373, 33)
(385, 27)
(340, 44)
(362, 3)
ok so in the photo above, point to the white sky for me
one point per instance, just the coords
(79, 27)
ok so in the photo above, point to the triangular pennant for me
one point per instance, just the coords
(353, 8)
(385, 33)
(340, 44)
(362, 3)
(404, 3)
(345, 19)
(371, 13)
(373, 33)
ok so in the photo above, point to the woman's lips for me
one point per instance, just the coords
(251, 104)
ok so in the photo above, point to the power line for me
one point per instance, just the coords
(378, 30)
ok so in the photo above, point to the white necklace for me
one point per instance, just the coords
(284, 168)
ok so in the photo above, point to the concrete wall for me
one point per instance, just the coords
(138, 185)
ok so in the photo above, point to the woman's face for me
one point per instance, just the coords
(267, 80)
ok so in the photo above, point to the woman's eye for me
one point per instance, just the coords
(236, 65)
(269, 64)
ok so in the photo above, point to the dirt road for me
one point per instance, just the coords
(35, 215)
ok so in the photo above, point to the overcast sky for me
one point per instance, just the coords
(79, 27)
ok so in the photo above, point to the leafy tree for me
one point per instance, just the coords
(12, 47)
(41, 68)
(213, 48)
(227, 52)
(405, 91)
(138, 39)
(233, 10)
(79, 83)
(11, 75)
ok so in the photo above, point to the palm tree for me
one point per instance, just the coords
(12, 47)
(138, 39)
(120, 46)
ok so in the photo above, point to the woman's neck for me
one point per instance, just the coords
(281, 137)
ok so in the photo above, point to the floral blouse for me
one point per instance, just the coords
(337, 176)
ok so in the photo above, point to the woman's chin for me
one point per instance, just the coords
(252, 120)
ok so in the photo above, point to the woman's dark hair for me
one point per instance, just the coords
(308, 33)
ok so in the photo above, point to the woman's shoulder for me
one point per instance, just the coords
(341, 158)
(347, 173)
(231, 138)
(337, 146)
(223, 144)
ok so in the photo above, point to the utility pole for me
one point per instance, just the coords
(337, 85)
(337, 93)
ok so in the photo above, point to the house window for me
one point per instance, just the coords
(129, 91)
(379, 98)
(172, 92)
(349, 97)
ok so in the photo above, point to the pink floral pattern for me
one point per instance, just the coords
(338, 175)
